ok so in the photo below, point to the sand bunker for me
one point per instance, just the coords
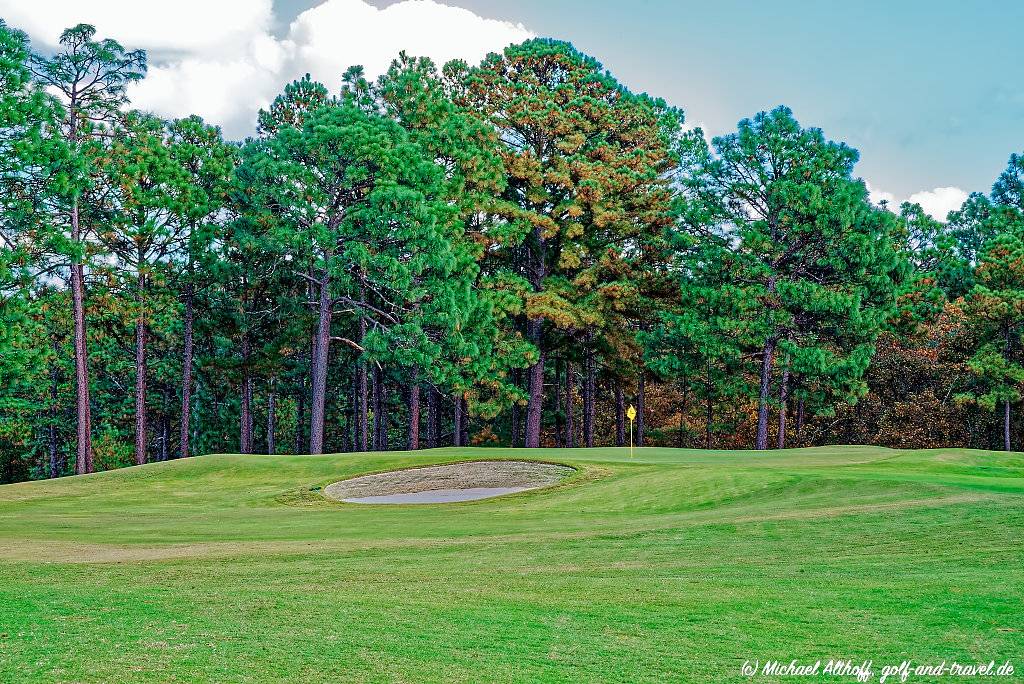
(447, 483)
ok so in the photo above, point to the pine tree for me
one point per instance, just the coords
(586, 189)
(91, 78)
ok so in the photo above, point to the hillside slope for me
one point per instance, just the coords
(673, 564)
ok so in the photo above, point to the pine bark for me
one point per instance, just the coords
(1006, 425)
(799, 420)
(379, 425)
(140, 371)
(413, 441)
(457, 423)
(535, 328)
(51, 429)
(272, 418)
(245, 419)
(570, 419)
(620, 415)
(465, 422)
(362, 392)
(83, 462)
(321, 350)
(433, 417)
(589, 397)
(640, 400)
(300, 416)
(762, 400)
(186, 373)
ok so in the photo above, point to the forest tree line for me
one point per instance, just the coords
(505, 253)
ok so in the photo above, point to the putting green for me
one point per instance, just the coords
(673, 565)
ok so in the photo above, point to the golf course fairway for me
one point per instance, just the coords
(672, 565)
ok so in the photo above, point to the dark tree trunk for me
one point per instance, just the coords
(799, 420)
(457, 426)
(245, 439)
(465, 422)
(708, 408)
(186, 375)
(1006, 425)
(321, 349)
(640, 400)
(433, 419)
(51, 429)
(783, 405)
(362, 424)
(413, 442)
(272, 418)
(83, 462)
(300, 416)
(536, 379)
(559, 405)
(620, 416)
(589, 397)
(140, 371)
(762, 400)
(378, 411)
(165, 427)
(570, 420)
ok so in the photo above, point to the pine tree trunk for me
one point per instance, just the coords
(376, 398)
(620, 416)
(559, 405)
(570, 420)
(413, 442)
(433, 419)
(362, 394)
(708, 408)
(245, 419)
(762, 401)
(140, 371)
(300, 416)
(165, 427)
(640, 400)
(83, 463)
(321, 348)
(51, 429)
(186, 374)
(1006, 425)
(535, 328)
(272, 418)
(589, 397)
(799, 421)
(465, 422)
(783, 405)
(457, 423)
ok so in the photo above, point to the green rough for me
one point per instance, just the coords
(674, 565)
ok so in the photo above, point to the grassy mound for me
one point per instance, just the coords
(673, 565)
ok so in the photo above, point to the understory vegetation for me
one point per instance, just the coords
(505, 253)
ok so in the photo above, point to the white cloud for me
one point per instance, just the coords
(877, 196)
(224, 25)
(228, 66)
(939, 202)
(936, 203)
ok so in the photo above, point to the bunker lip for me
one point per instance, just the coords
(449, 483)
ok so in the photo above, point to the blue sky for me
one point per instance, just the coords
(931, 93)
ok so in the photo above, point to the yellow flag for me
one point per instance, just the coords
(631, 412)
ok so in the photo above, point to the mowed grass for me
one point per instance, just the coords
(673, 565)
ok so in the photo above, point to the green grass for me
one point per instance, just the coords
(674, 565)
